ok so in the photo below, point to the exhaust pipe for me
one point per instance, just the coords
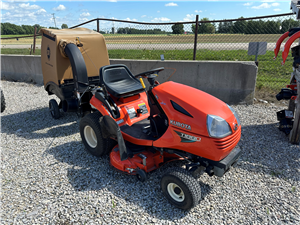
(70, 105)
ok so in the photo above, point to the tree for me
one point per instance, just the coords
(204, 28)
(272, 27)
(28, 29)
(177, 28)
(239, 26)
(287, 24)
(38, 27)
(64, 26)
(226, 27)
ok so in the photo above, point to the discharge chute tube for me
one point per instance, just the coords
(287, 46)
(278, 43)
(80, 76)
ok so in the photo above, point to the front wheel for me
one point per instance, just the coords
(91, 135)
(181, 188)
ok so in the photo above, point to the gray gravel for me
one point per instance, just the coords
(48, 177)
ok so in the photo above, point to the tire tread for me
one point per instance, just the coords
(188, 179)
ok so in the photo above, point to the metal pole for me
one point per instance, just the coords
(98, 27)
(34, 40)
(196, 34)
(54, 19)
(256, 53)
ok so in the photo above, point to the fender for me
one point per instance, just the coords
(278, 43)
(287, 46)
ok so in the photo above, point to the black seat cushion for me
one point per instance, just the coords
(119, 81)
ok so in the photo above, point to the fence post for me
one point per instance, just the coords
(34, 40)
(196, 34)
(98, 27)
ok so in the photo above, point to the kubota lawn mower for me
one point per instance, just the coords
(156, 125)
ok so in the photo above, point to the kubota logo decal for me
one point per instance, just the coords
(187, 138)
(181, 125)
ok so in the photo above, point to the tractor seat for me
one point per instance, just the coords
(119, 81)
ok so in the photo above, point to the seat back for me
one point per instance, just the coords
(119, 81)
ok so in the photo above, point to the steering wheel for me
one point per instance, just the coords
(150, 73)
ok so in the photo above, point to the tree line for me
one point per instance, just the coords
(241, 27)
(10, 29)
(128, 30)
(226, 27)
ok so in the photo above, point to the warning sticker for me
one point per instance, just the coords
(131, 112)
(143, 107)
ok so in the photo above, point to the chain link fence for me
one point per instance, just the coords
(226, 40)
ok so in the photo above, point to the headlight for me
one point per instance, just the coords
(235, 114)
(217, 127)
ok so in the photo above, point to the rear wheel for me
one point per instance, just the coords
(2, 102)
(91, 135)
(54, 109)
(181, 188)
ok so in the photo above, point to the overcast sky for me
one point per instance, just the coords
(75, 12)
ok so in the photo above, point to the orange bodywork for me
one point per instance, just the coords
(124, 105)
(197, 103)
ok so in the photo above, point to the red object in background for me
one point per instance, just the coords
(278, 43)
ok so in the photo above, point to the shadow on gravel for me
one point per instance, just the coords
(38, 123)
(266, 149)
(92, 173)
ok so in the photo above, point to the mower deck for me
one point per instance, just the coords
(147, 160)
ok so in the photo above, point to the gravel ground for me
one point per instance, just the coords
(48, 177)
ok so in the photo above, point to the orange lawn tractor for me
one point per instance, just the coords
(143, 128)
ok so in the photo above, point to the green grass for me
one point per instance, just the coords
(164, 38)
(272, 76)
(24, 51)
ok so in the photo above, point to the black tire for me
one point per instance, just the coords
(3, 105)
(91, 135)
(181, 188)
(54, 109)
(141, 175)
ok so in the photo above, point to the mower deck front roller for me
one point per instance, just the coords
(181, 188)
